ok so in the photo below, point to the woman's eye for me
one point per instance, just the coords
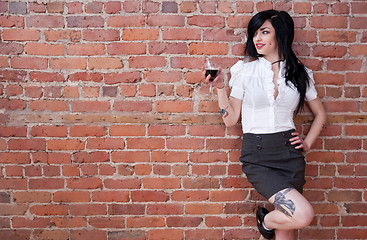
(265, 32)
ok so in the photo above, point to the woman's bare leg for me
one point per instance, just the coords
(285, 235)
(292, 211)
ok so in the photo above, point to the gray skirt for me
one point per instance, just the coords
(271, 163)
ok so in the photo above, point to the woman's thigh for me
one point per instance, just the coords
(294, 205)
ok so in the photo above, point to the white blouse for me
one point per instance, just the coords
(252, 83)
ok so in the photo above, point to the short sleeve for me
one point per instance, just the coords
(311, 93)
(235, 82)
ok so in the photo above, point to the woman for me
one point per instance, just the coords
(268, 91)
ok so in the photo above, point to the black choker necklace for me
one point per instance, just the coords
(276, 61)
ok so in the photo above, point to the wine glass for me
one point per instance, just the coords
(211, 69)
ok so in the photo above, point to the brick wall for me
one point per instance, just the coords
(107, 133)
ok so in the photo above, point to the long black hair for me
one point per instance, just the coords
(295, 71)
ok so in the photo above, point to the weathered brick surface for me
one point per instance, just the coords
(107, 133)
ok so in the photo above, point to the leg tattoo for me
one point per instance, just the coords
(285, 205)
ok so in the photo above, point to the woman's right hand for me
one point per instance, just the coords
(218, 82)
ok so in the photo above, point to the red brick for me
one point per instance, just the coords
(328, 22)
(126, 209)
(359, 7)
(238, 21)
(149, 196)
(208, 49)
(68, 63)
(32, 196)
(39, 234)
(63, 35)
(21, 35)
(90, 106)
(127, 183)
(84, 183)
(174, 234)
(325, 157)
(356, 50)
(45, 22)
(131, 6)
(130, 156)
(329, 51)
(69, 222)
(13, 183)
(128, 21)
(225, 7)
(28, 63)
(302, 7)
(84, 21)
(49, 210)
(132, 106)
(112, 7)
(46, 77)
(71, 196)
(358, 22)
(17, 234)
(341, 106)
(49, 131)
(344, 196)
(93, 7)
(88, 49)
(101, 35)
(55, 7)
(12, 21)
(165, 130)
(22, 222)
(85, 76)
(137, 222)
(166, 20)
(337, 36)
(88, 234)
(184, 221)
(356, 157)
(161, 183)
(147, 62)
(188, 7)
(145, 143)
(86, 130)
(204, 208)
(212, 221)
(206, 21)
(140, 34)
(104, 63)
(201, 183)
(105, 143)
(88, 209)
(340, 8)
(106, 222)
(27, 144)
(353, 65)
(127, 130)
(181, 34)
(126, 48)
(110, 196)
(65, 144)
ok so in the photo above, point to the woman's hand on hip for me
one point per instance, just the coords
(299, 142)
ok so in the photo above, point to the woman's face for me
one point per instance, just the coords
(265, 41)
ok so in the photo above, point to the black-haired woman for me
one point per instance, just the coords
(266, 93)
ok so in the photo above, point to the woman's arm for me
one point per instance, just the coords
(318, 123)
(230, 108)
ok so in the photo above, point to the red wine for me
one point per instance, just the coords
(213, 73)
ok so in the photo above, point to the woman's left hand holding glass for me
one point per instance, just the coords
(218, 82)
(298, 140)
